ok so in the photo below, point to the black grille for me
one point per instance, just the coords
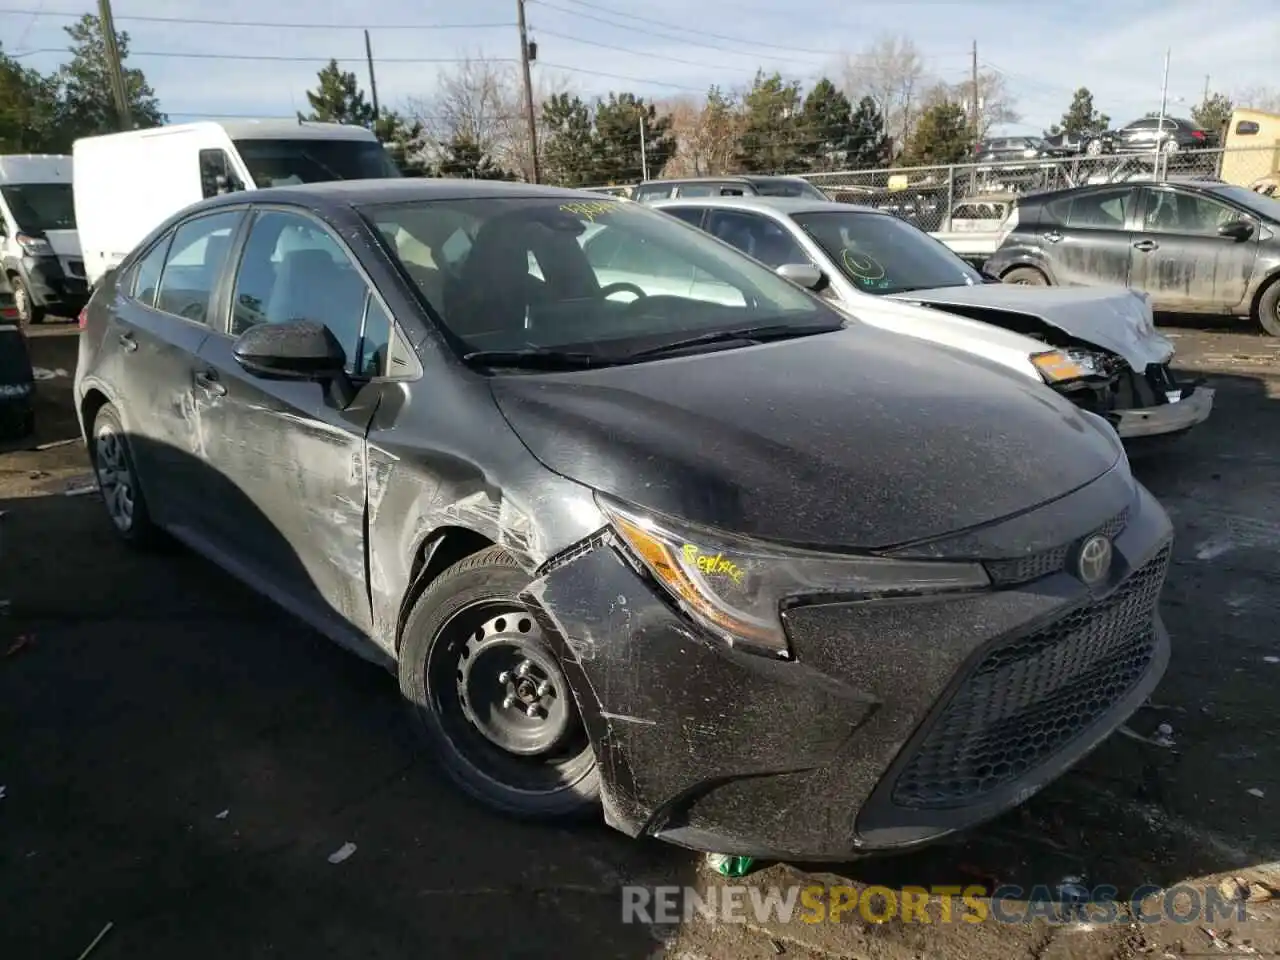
(1008, 573)
(77, 267)
(1030, 697)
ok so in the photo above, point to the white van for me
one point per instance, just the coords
(38, 242)
(127, 184)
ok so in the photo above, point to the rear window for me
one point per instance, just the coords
(279, 163)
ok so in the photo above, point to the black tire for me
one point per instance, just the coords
(117, 479)
(28, 312)
(456, 635)
(1026, 276)
(1268, 311)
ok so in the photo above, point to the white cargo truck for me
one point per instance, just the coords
(127, 184)
(39, 247)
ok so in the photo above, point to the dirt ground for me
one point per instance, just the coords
(179, 760)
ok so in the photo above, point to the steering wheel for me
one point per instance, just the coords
(622, 286)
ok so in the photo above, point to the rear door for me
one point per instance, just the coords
(1086, 238)
(153, 336)
(291, 456)
(1179, 258)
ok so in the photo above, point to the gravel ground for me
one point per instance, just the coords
(179, 760)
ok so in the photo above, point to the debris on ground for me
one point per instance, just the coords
(44, 373)
(80, 489)
(730, 866)
(223, 815)
(1163, 737)
(52, 444)
(1222, 941)
(18, 645)
(1271, 659)
(4, 607)
(96, 940)
(1255, 792)
(2, 789)
(778, 948)
(343, 852)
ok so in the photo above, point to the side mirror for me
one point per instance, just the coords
(1236, 230)
(298, 350)
(804, 274)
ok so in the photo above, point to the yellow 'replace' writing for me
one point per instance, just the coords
(713, 565)
(590, 209)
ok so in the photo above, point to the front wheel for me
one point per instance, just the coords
(1026, 277)
(489, 697)
(28, 312)
(1268, 315)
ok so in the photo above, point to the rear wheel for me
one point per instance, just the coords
(1026, 277)
(28, 312)
(118, 479)
(489, 697)
(1268, 310)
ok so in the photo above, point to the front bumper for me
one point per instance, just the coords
(51, 287)
(898, 722)
(1193, 407)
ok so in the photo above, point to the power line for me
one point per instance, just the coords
(637, 53)
(645, 81)
(189, 55)
(266, 23)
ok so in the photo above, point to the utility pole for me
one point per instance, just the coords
(1206, 89)
(528, 91)
(644, 153)
(1164, 104)
(974, 107)
(115, 71)
(373, 80)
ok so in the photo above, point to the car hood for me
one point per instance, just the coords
(856, 439)
(65, 243)
(1115, 319)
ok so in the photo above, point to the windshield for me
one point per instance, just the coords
(603, 276)
(1268, 207)
(884, 255)
(279, 163)
(789, 188)
(37, 207)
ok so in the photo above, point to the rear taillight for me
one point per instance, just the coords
(1197, 134)
(84, 318)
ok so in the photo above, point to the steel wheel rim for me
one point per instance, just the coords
(21, 302)
(115, 478)
(481, 699)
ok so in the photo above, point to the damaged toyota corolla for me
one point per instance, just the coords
(740, 572)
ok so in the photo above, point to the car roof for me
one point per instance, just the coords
(786, 206)
(1206, 184)
(727, 178)
(360, 193)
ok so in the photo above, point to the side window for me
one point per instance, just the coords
(294, 269)
(697, 190)
(1168, 211)
(217, 175)
(194, 265)
(757, 237)
(146, 272)
(376, 341)
(690, 215)
(656, 191)
(1104, 210)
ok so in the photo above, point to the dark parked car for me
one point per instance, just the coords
(17, 377)
(744, 186)
(1192, 246)
(1142, 136)
(689, 559)
(1011, 149)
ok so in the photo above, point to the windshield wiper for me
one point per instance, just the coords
(772, 331)
(535, 358)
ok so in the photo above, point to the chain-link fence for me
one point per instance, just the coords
(927, 196)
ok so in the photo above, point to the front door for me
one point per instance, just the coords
(158, 321)
(1086, 239)
(291, 455)
(1181, 260)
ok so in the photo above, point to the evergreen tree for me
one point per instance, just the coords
(942, 136)
(869, 146)
(618, 123)
(1081, 119)
(827, 125)
(405, 140)
(1214, 113)
(770, 141)
(88, 107)
(338, 98)
(569, 153)
(465, 158)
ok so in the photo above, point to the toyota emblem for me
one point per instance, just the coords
(1094, 560)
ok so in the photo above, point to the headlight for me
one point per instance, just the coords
(737, 588)
(34, 246)
(1058, 366)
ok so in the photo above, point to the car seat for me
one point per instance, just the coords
(492, 293)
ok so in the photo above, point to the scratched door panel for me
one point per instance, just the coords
(288, 462)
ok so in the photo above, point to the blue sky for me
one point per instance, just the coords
(664, 48)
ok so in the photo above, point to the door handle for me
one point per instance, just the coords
(1146, 246)
(1053, 236)
(127, 341)
(207, 381)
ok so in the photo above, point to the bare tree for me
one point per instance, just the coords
(706, 131)
(996, 103)
(891, 72)
(1266, 99)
